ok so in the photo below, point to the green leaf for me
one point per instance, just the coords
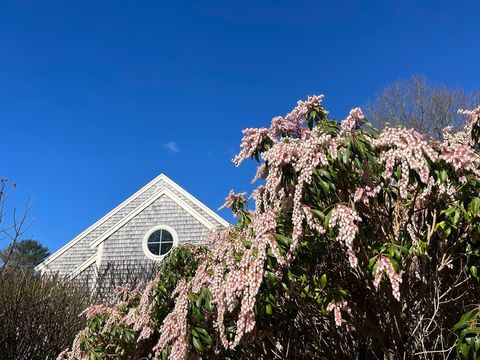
(318, 214)
(95, 356)
(268, 309)
(327, 220)
(463, 350)
(201, 331)
(323, 281)
(360, 147)
(197, 313)
(325, 186)
(456, 217)
(346, 156)
(197, 344)
(286, 241)
(474, 206)
(474, 271)
(164, 354)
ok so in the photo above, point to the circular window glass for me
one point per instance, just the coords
(160, 242)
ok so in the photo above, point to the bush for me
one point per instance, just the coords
(39, 315)
(362, 244)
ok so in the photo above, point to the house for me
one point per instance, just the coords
(143, 229)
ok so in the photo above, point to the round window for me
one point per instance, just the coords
(159, 241)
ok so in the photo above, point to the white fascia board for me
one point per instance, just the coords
(91, 260)
(97, 224)
(194, 200)
(147, 203)
(99, 256)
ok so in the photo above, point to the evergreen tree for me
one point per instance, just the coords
(25, 253)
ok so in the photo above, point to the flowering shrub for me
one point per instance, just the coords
(360, 244)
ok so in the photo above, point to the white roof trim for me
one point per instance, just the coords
(143, 206)
(97, 224)
(91, 260)
(194, 200)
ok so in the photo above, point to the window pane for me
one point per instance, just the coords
(155, 237)
(166, 236)
(166, 248)
(154, 248)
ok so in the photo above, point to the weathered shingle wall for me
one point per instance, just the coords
(81, 251)
(88, 276)
(126, 242)
(194, 206)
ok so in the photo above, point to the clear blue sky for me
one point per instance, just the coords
(99, 97)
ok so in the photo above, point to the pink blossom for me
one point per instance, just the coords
(337, 307)
(94, 310)
(174, 326)
(303, 107)
(409, 150)
(384, 264)
(232, 201)
(251, 142)
(345, 218)
(472, 117)
(354, 119)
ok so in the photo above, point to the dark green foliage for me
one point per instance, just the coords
(24, 254)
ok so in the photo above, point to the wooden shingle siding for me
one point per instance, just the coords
(71, 259)
(125, 228)
(87, 276)
(194, 206)
(126, 242)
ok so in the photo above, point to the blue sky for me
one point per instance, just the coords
(99, 97)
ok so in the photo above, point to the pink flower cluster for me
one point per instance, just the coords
(236, 284)
(174, 327)
(354, 119)
(233, 199)
(345, 218)
(280, 126)
(384, 264)
(473, 117)
(410, 150)
(337, 307)
(365, 193)
(140, 317)
(451, 137)
(251, 142)
(94, 310)
(303, 107)
(462, 158)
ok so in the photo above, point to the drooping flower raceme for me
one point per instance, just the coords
(408, 149)
(384, 265)
(345, 218)
(337, 307)
(354, 119)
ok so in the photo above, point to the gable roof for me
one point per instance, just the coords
(124, 219)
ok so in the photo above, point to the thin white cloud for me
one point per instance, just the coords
(172, 147)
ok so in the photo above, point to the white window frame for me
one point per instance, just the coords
(145, 248)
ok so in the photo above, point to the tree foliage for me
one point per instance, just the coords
(361, 244)
(24, 253)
